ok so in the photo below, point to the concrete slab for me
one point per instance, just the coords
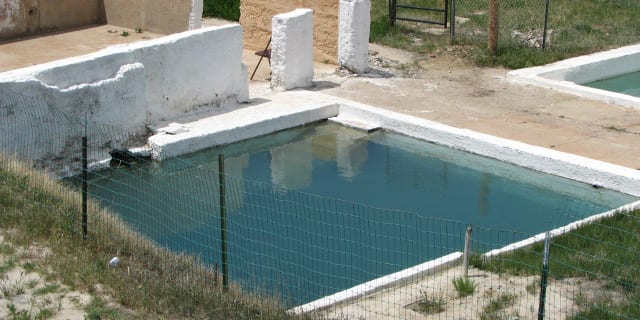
(200, 131)
(36, 50)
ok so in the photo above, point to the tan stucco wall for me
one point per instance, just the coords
(158, 16)
(20, 18)
(255, 18)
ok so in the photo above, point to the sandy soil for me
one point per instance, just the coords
(28, 290)
(563, 298)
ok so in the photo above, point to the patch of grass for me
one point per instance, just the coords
(15, 314)
(493, 310)
(49, 288)
(45, 313)
(9, 290)
(431, 305)
(7, 265)
(29, 266)
(155, 283)
(595, 25)
(225, 9)
(533, 287)
(32, 283)
(606, 250)
(97, 309)
(514, 57)
(464, 286)
(6, 249)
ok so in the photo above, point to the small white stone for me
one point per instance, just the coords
(114, 262)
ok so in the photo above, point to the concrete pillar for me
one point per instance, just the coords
(195, 16)
(292, 49)
(353, 35)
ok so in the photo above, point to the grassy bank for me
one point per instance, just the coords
(150, 281)
(574, 28)
(606, 252)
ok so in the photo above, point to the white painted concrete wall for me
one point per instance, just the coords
(568, 75)
(195, 16)
(292, 50)
(129, 86)
(353, 34)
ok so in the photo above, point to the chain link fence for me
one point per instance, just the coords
(226, 237)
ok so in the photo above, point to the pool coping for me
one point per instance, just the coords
(391, 280)
(567, 75)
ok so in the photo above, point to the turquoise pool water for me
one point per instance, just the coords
(627, 83)
(405, 202)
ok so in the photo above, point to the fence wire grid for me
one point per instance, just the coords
(295, 247)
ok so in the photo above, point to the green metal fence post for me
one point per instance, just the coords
(223, 222)
(85, 186)
(543, 277)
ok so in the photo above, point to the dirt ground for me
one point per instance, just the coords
(29, 290)
(435, 297)
(445, 87)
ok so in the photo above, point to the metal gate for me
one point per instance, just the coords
(394, 5)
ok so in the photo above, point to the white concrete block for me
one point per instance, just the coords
(292, 50)
(237, 125)
(353, 34)
(195, 16)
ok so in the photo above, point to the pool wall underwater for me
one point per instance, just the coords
(568, 75)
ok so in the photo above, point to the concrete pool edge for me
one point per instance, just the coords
(306, 107)
(567, 75)
(391, 280)
(593, 172)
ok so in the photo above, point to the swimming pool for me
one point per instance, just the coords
(574, 75)
(404, 202)
(628, 83)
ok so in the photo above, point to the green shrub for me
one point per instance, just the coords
(225, 9)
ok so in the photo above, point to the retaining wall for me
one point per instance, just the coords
(129, 86)
(256, 18)
(158, 16)
(20, 18)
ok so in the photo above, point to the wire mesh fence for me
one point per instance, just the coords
(178, 222)
(520, 22)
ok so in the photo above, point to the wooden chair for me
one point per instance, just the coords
(266, 53)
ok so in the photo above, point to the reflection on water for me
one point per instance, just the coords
(291, 165)
(303, 247)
